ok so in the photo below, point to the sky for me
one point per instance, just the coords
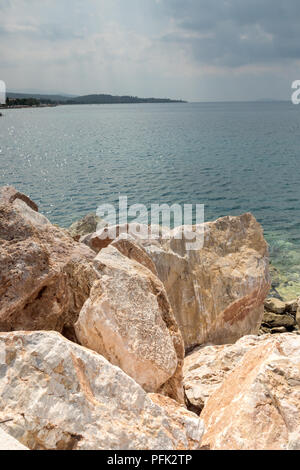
(198, 50)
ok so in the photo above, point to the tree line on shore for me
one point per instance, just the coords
(47, 100)
(30, 102)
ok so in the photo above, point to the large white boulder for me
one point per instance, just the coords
(206, 368)
(58, 395)
(257, 407)
(45, 275)
(128, 319)
(217, 290)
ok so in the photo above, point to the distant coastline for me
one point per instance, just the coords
(28, 106)
(26, 100)
(110, 99)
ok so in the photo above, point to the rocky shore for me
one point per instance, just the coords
(126, 343)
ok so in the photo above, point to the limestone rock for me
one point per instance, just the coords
(144, 234)
(279, 329)
(292, 306)
(127, 245)
(217, 292)
(264, 331)
(298, 317)
(84, 226)
(188, 276)
(106, 235)
(8, 195)
(30, 216)
(128, 319)
(279, 316)
(9, 443)
(62, 396)
(273, 320)
(257, 407)
(275, 305)
(187, 421)
(45, 276)
(206, 368)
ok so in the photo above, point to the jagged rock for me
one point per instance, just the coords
(273, 320)
(275, 305)
(104, 237)
(30, 216)
(264, 331)
(298, 317)
(8, 195)
(280, 329)
(127, 245)
(9, 443)
(292, 306)
(206, 368)
(62, 396)
(144, 234)
(193, 427)
(45, 276)
(282, 321)
(257, 407)
(84, 226)
(217, 292)
(128, 319)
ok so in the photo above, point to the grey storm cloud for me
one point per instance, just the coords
(236, 32)
(174, 48)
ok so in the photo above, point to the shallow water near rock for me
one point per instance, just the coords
(232, 157)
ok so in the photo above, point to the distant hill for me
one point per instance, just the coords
(53, 98)
(89, 99)
(36, 91)
(110, 99)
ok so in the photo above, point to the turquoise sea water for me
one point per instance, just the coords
(232, 157)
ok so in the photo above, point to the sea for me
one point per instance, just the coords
(231, 157)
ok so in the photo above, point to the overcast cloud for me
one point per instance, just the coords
(192, 49)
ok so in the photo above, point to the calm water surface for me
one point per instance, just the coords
(232, 157)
